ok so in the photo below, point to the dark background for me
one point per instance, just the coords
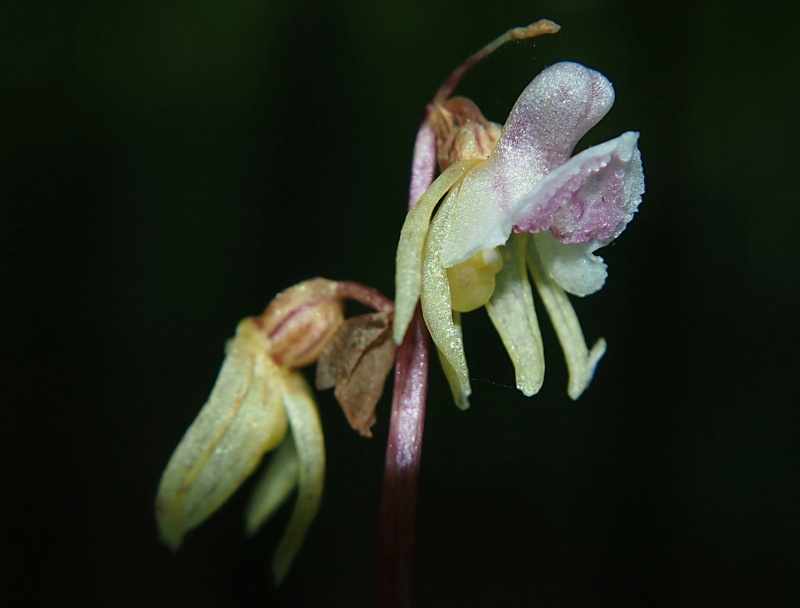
(167, 167)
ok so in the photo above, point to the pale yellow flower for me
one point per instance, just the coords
(261, 402)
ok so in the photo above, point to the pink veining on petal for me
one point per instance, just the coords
(588, 199)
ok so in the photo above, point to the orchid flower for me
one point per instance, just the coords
(511, 201)
(513, 198)
(260, 396)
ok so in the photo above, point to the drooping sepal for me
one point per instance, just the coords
(581, 361)
(408, 277)
(513, 314)
(459, 387)
(309, 444)
(242, 419)
(274, 487)
(435, 296)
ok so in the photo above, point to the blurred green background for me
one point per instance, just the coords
(167, 167)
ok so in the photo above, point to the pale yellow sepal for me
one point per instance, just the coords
(435, 294)
(581, 361)
(310, 447)
(512, 312)
(410, 249)
(460, 390)
(274, 486)
(243, 418)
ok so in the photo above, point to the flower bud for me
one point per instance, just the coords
(300, 321)
(463, 133)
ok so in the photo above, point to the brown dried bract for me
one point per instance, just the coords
(356, 361)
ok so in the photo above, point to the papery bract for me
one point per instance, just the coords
(356, 362)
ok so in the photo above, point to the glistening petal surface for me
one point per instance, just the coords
(552, 114)
(435, 295)
(591, 197)
(586, 203)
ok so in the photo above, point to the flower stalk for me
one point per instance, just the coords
(401, 472)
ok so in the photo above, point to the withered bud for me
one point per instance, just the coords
(301, 320)
(463, 133)
(356, 361)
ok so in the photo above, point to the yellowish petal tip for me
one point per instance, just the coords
(171, 536)
(592, 359)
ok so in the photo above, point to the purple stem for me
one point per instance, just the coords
(401, 475)
(404, 448)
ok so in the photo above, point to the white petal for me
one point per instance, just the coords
(592, 197)
(559, 107)
(574, 267)
(552, 114)
(586, 203)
